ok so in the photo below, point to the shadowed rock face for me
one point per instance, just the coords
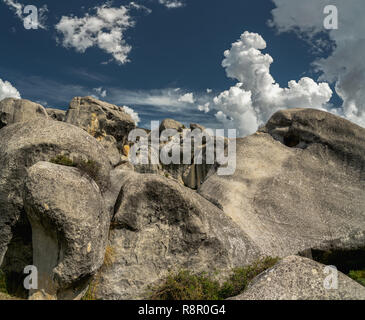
(56, 114)
(299, 184)
(24, 144)
(70, 227)
(298, 278)
(19, 110)
(160, 225)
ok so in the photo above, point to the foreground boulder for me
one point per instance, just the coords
(160, 225)
(24, 144)
(19, 110)
(69, 228)
(298, 278)
(299, 184)
(100, 119)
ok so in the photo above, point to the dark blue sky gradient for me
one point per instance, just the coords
(171, 48)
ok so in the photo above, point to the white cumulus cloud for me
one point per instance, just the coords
(188, 98)
(132, 113)
(204, 107)
(257, 96)
(345, 65)
(8, 91)
(105, 29)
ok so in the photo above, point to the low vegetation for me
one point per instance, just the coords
(3, 287)
(63, 161)
(109, 259)
(89, 167)
(109, 256)
(4, 294)
(358, 275)
(91, 291)
(241, 277)
(184, 285)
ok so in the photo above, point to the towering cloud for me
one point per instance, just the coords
(8, 91)
(257, 96)
(345, 66)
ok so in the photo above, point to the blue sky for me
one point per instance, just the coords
(180, 48)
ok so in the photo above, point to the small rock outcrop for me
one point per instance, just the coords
(19, 110)
(160, 225)
(298, 278)
(194, 126)
(56, 114)
(70, 226)
(171, 124)
(100, 119)
(299, 184)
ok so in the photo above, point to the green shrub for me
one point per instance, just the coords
(358, 275)
(241, 277)
(185, 285)
(89, 167)
(63, 161)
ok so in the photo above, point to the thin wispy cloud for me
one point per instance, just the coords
(172, 4)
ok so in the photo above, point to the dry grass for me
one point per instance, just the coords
(109, 257)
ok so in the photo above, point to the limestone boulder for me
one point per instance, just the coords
(69, 229)
(171, 124)
(24, 144)
(19, 110)
(160, 225)
(100, 119)
(299, 184)
(298, 278)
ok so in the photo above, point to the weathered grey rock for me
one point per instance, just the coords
(307, 191)
(111, 148)
(19, 110)
(160, 225)
(56, 114)
(100, 119)
(298, 278)
(116, 182)
(24, 144)
(194, 126)
(69, 227)
(171, 124)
